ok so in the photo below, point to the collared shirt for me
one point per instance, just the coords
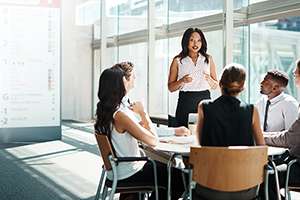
(282, 113)
(187, 66)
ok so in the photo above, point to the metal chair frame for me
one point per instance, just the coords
(102, 190)
(287, 189)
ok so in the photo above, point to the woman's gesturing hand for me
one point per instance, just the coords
(137, 107)
(186, 79)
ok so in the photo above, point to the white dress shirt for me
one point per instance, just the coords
(282, 113)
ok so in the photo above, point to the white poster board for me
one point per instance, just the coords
(29, 64)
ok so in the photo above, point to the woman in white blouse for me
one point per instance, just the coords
(193, 73)
(119, 121)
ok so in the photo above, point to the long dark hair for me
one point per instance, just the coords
(185, 43)
(110, 93)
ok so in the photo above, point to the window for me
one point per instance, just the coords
(270, 50)
(137, 54)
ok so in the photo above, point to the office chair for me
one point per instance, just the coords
(229, 170)
(110, 162)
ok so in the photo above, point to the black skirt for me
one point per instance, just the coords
(188, 103)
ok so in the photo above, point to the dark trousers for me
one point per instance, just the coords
(188, 103)
(203, 193)
(146, 177)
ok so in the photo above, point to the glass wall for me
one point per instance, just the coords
(126, 16)
(258, 42)
(240, 55)
(273, 45)
(137, 54)
(182, 10)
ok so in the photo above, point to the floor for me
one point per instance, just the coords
(66, 169)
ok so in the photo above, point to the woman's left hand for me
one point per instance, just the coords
(182, 131)
(212, 83)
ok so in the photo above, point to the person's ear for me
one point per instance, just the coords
(275, 87)
(220, 84)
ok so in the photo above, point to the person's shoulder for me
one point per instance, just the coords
(205, 102)
(119, 114)
(176, 60)
(289, 98)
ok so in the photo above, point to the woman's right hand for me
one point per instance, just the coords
(186, 79)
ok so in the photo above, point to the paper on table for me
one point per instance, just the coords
(179, 139)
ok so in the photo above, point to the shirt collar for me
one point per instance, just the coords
(277, 98)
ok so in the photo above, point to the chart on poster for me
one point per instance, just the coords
(29, 63)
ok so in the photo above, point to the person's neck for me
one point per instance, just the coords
(193, 55)
(231, 95)
(273, 95)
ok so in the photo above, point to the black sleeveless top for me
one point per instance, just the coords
(227, 122)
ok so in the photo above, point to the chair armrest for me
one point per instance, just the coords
(131, 159)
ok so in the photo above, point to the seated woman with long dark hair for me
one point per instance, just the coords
(118, 121)
(227, 121)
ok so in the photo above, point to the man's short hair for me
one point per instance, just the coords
(279, 76)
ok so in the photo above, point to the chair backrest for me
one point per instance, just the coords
(228, 169)
(105, 149)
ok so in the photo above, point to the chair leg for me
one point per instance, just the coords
(100, 185)
(287, 192)
(190, 184)
(113, 189)
(141, 196)
(104, 193)
(266, 184)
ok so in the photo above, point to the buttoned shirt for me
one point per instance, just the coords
(282, 112)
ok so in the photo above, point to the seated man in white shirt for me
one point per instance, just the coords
(277, 110)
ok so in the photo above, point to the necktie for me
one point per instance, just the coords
(266, 115)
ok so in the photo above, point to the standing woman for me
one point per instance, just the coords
(193, 73)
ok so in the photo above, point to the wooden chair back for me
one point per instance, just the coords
(105, 149)
(228, 169)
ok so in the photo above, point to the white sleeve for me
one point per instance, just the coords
(290, 113)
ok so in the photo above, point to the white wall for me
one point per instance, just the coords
(76, 66)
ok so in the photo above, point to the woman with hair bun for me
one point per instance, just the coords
(227, 121)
